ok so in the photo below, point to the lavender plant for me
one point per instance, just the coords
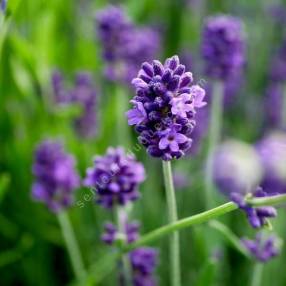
(163, 113)
(55, 183)
(115, 178)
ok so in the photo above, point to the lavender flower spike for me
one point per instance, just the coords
(56, 178)
(262, 248)
(164, 108)
(223, 46)
(115, 177)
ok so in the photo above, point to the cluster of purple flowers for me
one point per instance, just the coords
(115, 177)
(223, 46)
(164, 108)
(142, 260)
(124, 46)
(262, 248)
(257, 217)
(83, 94)
(55, 174)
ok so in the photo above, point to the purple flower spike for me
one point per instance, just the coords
(115, 177)
(164, 108)
(124, 46)
(262, 248)
(56, 178)
(83, 94)
(143, 263)
(223, 46)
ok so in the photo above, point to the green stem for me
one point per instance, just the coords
(72, 246)
(201, 218)
(229, 235)
(257, 274)
(214, 137)
(173, 217)
(121, 220)
(266, 201)
(122, 129)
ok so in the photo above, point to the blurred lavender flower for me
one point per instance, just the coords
(277, 13)
(82, 94)
(164, 108)
(143, 263)
(115, 177)
(237, 168)
(278, 68)
(223, 46)
(262, 248)
(56, 177)
(124, 46)
(3, 5)
(272, 151)
(274, 104)
(131, 232)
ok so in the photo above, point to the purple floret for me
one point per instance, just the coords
(223, 46)
(115, 177)
(164, 108)
(262, 248)
(55, 176)
(143, 262)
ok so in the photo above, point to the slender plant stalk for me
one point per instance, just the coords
(201, 218)
(174, 247)
(229, 236)
(214, 137)
(257, 274)
(72, 246)
(125, 261)
(122, 129)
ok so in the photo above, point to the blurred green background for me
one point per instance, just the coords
(37, 36)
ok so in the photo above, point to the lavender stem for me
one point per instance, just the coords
(121, 221)
(257, 274)
(214, 137)
(173, 217)
(72, 245)
(201, 218)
